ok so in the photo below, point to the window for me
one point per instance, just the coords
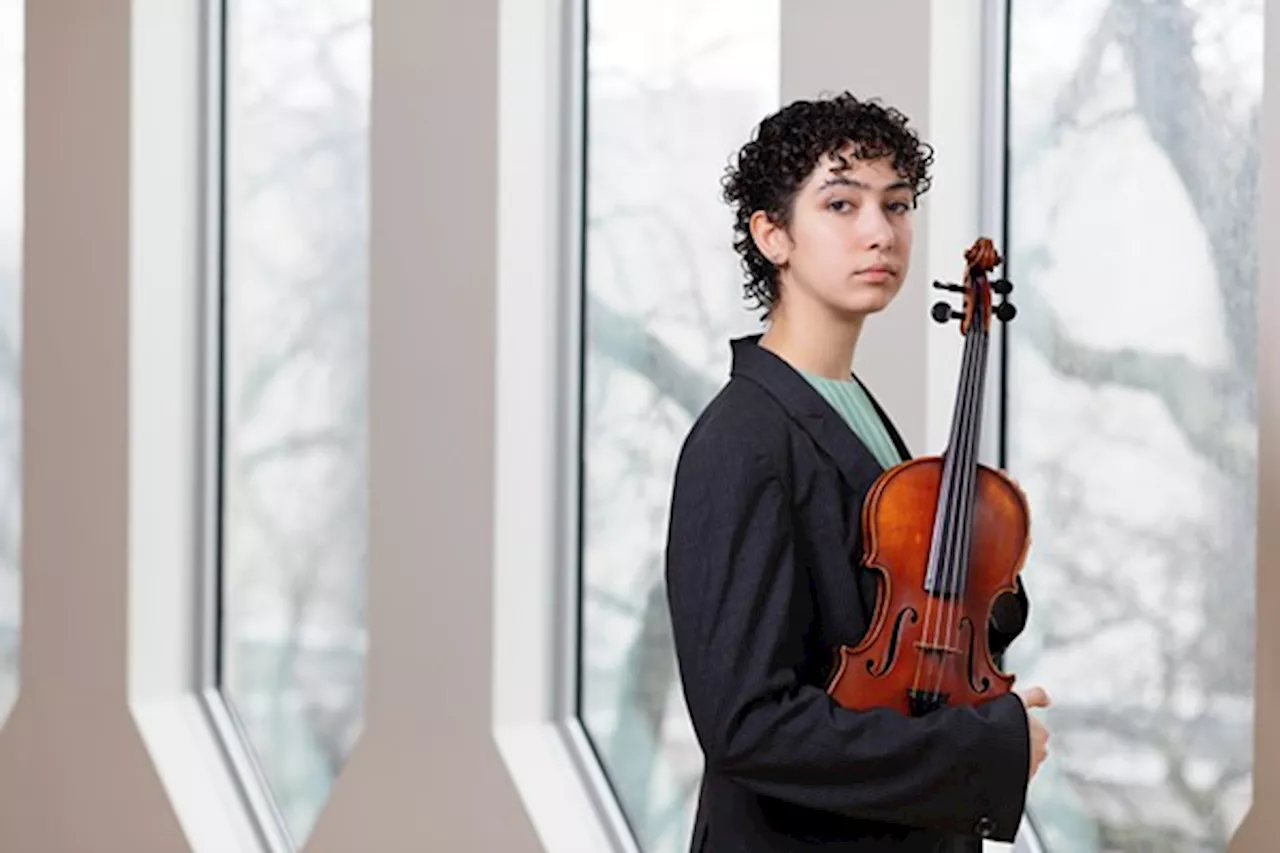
(1132, 419)
(11, 141)
(673, 89)
(294, 395)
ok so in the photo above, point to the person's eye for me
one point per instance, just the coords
(899, 206)
(839, 205)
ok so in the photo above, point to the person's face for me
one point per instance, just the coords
(849, 243)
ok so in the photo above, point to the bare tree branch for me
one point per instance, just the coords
(1202, 142)
(294, 444)
(630, 344)
(1215, 158)
(1223, 433)
(1083, 85)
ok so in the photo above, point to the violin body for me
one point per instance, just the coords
(947, 536)
(925, 650)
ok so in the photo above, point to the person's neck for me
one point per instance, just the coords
(812, 341)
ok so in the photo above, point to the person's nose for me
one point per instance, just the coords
(876, 230)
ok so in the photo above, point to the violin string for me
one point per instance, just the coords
(931, 621)
(971, 474)
(936, 563)
(971, 487)
(956, 470)
(951, 502)
(944, 538)
(954, 473)
(964, 516)
(984, 343)
(935, 551)
(960, 538)
(942, 556)
(970, 497)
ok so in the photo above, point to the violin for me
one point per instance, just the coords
(947, 536)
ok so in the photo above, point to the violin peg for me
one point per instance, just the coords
(946, 285)
(942, 312)
(1006, 312)
(1002, 286)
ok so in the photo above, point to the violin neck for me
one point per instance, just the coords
(949, 554)
(966, 420)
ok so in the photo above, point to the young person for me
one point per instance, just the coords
(762, 562)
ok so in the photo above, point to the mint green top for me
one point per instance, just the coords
(848, 398)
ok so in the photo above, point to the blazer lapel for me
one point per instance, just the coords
(810, 410)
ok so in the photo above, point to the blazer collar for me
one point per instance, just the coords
(811, 410)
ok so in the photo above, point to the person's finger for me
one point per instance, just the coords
(1035, 697)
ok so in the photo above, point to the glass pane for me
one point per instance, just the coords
(673, 89)
(1132, 410)
(12, 31)
(294, 535)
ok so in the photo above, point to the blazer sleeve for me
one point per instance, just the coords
(740, 608)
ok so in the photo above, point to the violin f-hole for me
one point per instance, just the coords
(972, 657)
(891, 653)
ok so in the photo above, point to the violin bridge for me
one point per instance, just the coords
(938, 648)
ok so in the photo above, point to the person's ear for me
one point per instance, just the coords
(770, 238)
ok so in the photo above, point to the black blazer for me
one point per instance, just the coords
(765, 516)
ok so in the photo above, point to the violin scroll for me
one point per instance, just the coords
(982, 256)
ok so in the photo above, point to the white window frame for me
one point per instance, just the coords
(175, 280)
(534, 680)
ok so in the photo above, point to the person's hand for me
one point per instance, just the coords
(1036, 697)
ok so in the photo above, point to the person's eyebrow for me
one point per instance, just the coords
(841, 180)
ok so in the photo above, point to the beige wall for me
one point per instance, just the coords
(74, 772)
(815, 52)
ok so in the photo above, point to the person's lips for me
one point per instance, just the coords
(877, 272)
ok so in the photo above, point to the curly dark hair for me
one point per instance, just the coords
(784, 151)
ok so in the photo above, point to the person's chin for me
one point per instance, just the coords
(868, 303)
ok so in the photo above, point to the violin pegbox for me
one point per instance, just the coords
(980, 259)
